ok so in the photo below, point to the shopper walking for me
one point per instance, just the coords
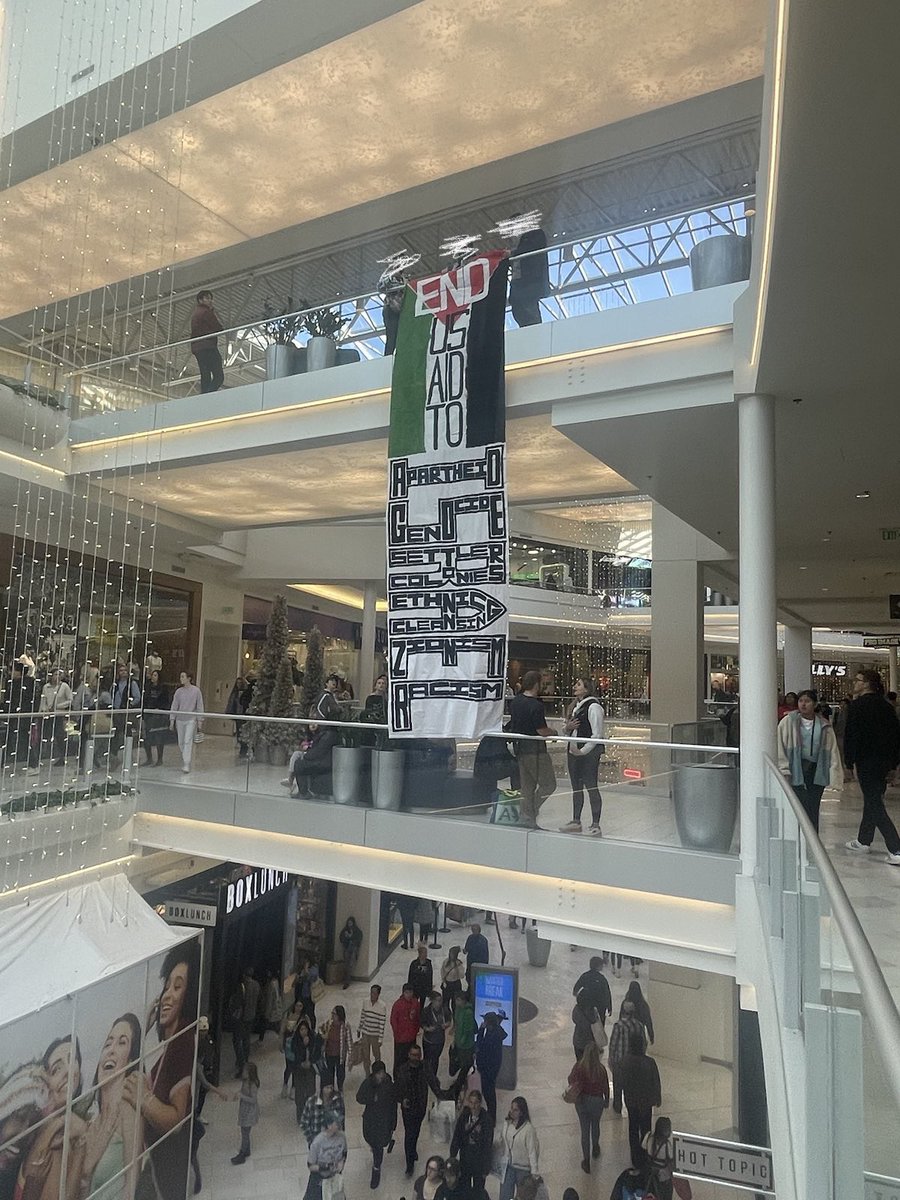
(248, 1110)
(594, 986)
(421, 974)
(55, 703)
(336, 1041)
(326, 1160)
(435, 1022)
(413, 1081)
(205, 324)
(537, 780)
(641, 1008)
(430, 1186)
(585, 720)
(589, 1088)
(306, 1056)
(156, 696)
(370, 1030)
(378, 1098)
(488, 1057)
(642, 1092)
(405, 1020)
(584, 1019)
(425, 917)
(476, 950)
(452, 975)
(318, 1110)
(462, 1055)
(628, 1028)
(808, 754)
(350, 938)
(521, 1148)
(242, 1012)
(186, 704)
(659, 1149)
(872, 747)
(407, 907)
(471, 1143)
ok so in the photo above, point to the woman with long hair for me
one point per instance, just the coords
(156, 696)
(585, 722)
(163, 1096)
(641, 1008)
(589, 1084)
(428, 1185)
(111, 1136)
(248, 1110)
(660, 1151)
(521, 1148)
(336, 1037)
(306, 1053)
(453, 972)
(471, 1142)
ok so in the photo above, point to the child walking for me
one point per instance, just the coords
(248, 1109)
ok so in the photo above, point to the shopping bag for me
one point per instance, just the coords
(505, 808)
(498, 1158)
(355, 1057)
(473, 1083)
(443, 1119)
(599, 1033)
(682, 1189)
(199, 736)
(333, 1188)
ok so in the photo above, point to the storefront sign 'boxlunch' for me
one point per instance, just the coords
(247, 888)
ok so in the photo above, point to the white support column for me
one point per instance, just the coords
(676, 634)
(367, 647)
(892, 669)
(758, 649)
(797, 657)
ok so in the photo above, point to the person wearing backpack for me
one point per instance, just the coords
(585, 721)
(660, 1151)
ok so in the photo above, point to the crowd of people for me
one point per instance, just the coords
(48, 719)
(444, 1067)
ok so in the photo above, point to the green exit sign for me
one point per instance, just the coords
(890, 535)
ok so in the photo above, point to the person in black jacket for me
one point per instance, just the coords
(872, 746)
(378, 1097)
(642, 1091)
(315, 763)
(421, 975)
(413, 1080)
(472, 1139)
(596, 987)
(488, 1056)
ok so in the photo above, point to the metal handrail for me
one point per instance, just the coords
(873, 986)
(245, 325)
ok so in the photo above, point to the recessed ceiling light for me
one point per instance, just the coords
(804, 568)
(824, 589)
(866, 495)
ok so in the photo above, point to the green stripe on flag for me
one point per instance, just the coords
(408, 381)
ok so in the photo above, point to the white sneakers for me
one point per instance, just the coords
(595, 831)
(570, 827)
(857, 847)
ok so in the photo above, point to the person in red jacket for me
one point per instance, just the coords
(405, 1020)
(205, 324)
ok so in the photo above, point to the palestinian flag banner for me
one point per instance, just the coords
(447, 544)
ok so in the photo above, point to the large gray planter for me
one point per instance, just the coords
(262, 752)
(279, 361)
(350, 771)
(706, 805)
(321, 353)
(718, 260)
(387, 778)
(538, 948)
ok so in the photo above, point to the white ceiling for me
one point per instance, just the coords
(439, 88)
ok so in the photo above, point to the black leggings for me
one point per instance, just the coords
(583, 770)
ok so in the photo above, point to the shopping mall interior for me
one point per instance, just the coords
(265, 269)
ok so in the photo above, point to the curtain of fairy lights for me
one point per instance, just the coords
(81, 577)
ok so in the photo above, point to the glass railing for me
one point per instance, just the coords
(832, 994)
(594, 273)
(651, 789)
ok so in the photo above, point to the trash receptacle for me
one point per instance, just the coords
(706, 805)
(538, 948)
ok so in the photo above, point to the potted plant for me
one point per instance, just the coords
(324, 326)
(280, 329)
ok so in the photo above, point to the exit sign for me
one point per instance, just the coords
(891, 535)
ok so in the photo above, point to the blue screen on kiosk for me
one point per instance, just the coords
(495, 992)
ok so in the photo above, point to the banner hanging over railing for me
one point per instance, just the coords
(447, 537)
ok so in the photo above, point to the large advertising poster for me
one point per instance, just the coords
(447, 543)
(96, 1089)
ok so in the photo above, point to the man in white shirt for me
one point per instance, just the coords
(372, 1020)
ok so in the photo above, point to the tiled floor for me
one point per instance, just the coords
(697, 1097)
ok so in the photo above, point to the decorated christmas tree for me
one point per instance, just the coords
(282, 705)
(273, 655)
(314, 671)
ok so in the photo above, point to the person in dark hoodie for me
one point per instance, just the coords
(529, 279)
(315, 763)
(378, 1097)
(643, 1092)
(872, 747)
